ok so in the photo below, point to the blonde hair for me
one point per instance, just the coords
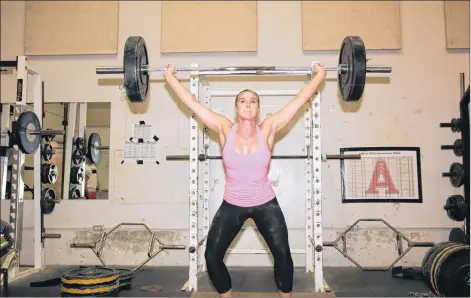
(245, 90)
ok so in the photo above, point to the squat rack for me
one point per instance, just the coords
(23, 70)
(199, 143)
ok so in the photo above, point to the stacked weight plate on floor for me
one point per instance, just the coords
(445, 269)
(90, 281)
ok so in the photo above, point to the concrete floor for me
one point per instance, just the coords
(343, 282)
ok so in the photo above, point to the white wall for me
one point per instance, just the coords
(423, 90)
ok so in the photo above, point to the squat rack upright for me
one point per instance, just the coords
(23, 70)
(199, 195)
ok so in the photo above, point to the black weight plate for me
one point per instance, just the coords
(429, 258)
(27, 143)
(94, 148)
(74, 193)
(79, 143)
(136, 82)
(89, 275)
(451, 274)
(108, 289)
(48, 203)
(457, 174)
(455, 207)
(47, 152)
(459, 147)
(76, 175)
(457, 235)
(125, 278)
(352, 80)
(78, 157)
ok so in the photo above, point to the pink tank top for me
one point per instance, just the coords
(247, 182)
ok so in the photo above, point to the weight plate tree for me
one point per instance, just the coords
(351, 70)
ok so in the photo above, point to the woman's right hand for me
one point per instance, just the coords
(171, 69)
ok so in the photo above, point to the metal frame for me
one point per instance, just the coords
(18, 158)
(199, 195)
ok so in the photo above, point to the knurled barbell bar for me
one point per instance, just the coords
(203, 157)
(27, 132)
(351, 70)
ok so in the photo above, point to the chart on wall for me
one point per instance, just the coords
(381, 175)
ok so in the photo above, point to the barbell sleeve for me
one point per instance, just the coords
(11, 63)
(343, 156)
(171, 246)
(82, 245)
(46, 132)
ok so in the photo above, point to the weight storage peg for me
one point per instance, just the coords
(351, 69)
(457, 147)
(26, 132)
(456, 174)
(456, 124)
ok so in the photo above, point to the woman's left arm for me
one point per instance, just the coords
(278, 120)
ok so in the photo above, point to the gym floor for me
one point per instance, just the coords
(343, 282)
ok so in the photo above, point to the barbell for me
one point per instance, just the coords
(204, 157)
(351, 70)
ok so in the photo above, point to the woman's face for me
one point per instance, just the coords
(247, 105)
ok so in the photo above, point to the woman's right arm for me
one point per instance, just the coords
(212, 120)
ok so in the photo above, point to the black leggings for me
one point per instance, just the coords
(227, 223)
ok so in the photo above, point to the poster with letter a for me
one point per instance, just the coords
(381, 175)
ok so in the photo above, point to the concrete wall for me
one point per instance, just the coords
(423, 90)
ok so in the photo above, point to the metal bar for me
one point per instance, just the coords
(39, 256)
(46, 132)
(193, 190)
(465, 136)
(260, 251)
(260, 70)
(82, 123)
(11, 63)
(203, 157)
(343, 156)
(221, 93)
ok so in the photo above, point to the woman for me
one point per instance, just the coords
(246, 152)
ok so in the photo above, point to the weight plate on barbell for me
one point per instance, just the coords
(94, 148)
(136, 81)
(48, 200)
(352, 73)
(27, 143)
